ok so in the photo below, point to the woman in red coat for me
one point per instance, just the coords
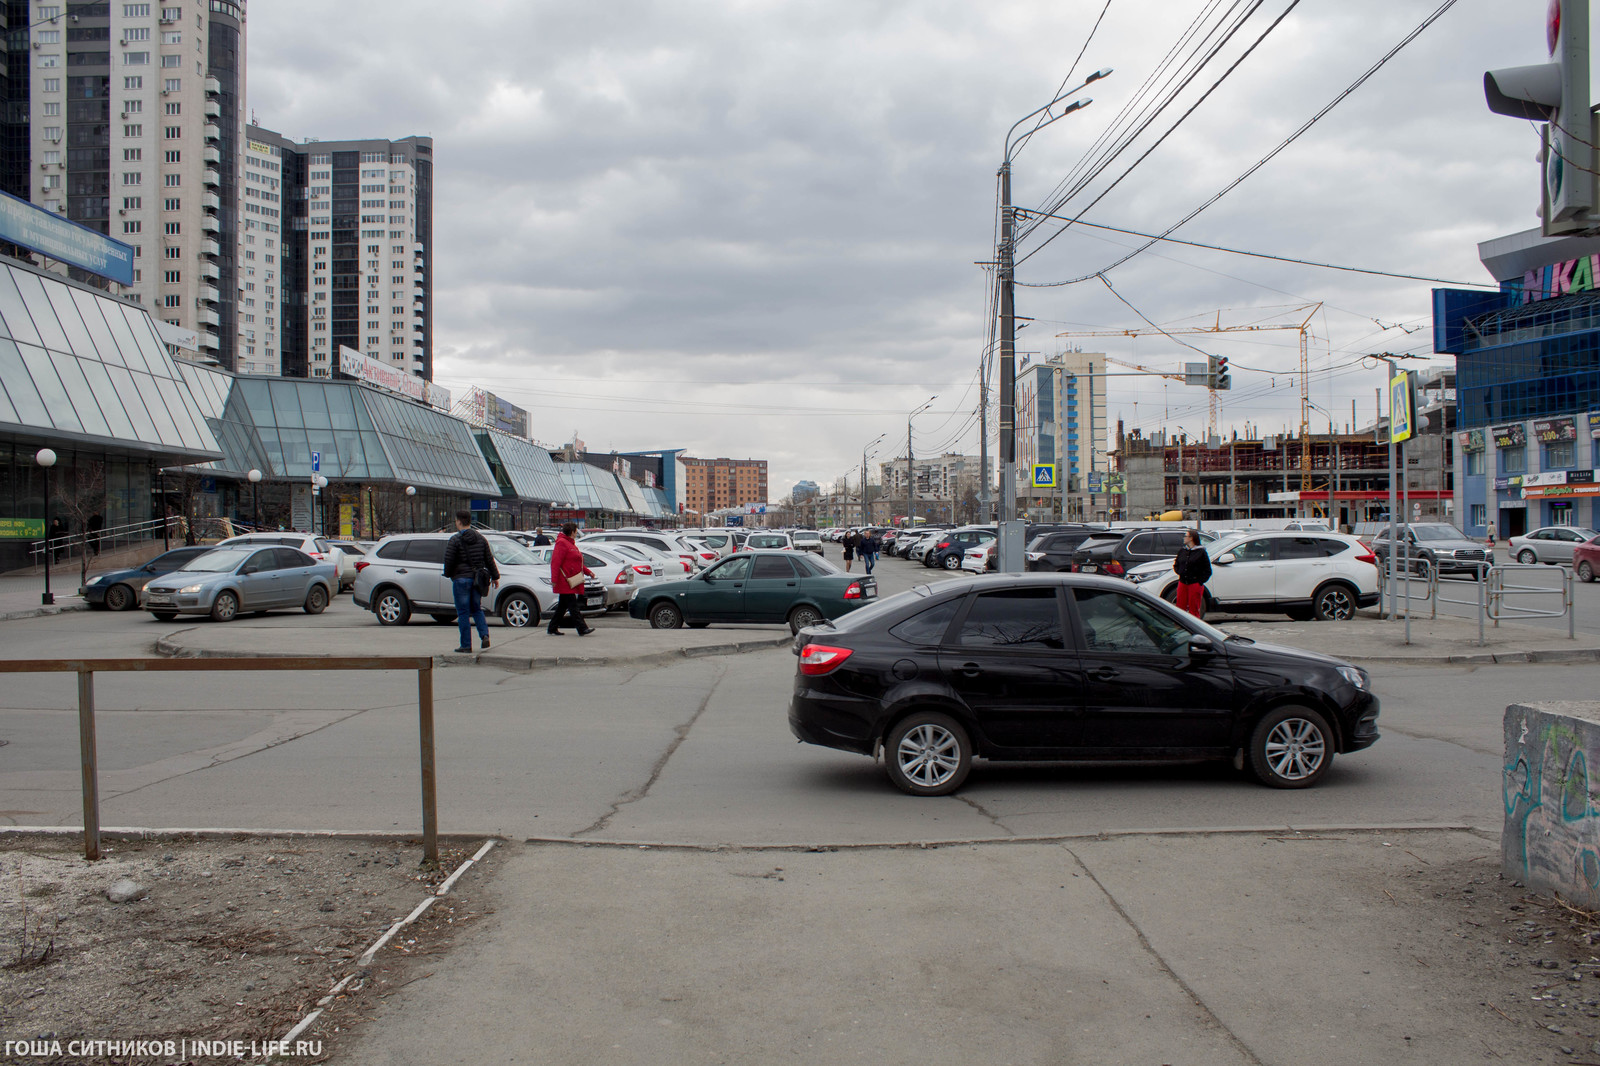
(566, 577)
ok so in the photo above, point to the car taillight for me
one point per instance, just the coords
(1076, 568)
(1113, 567)
(817, 659)
(640, 568)
(361, 565)
(623, 577)
(854, 591)
(708, 555)
(1367, 558)
(316, 555)
(942, 545)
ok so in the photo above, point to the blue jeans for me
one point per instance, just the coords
(869, 560)
(469, 609)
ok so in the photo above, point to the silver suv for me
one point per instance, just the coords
(405, 573)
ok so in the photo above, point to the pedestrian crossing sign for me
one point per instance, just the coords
(1044, 475)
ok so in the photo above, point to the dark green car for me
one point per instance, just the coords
(755, 586)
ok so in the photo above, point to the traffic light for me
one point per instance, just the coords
(1557, 94)
(1211, 371)
(1224, 379)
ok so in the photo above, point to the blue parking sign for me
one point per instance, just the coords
(1044, 475)
(316, 462)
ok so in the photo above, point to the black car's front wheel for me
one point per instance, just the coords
(1291, 747)
(927, 754)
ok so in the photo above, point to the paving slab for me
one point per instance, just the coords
(1370, 639)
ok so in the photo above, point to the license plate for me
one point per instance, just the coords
(592, 601)
(158, 599)
(871, 591)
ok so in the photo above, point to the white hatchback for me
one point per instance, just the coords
(1326, 576)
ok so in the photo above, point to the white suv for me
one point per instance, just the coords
(1305, 575)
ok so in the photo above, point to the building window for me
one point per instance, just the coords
(135, 82)
(171, 14)
(1474, 462)
(136, 34)
(48, 37)
(51, 181)
(174, 156)
(132, 177)
(132, 203)
(173, 133)
(172, 300)
(50, 85)
(174, 180)
(173, 252)
(51, 133)
(136, 59)
(172, 37)
(52, 110)
(172, 277)
(1513, 460)
(174, 108)
(1558, 455)
(130, 227)
(172, 61)
(172, 203)
(46, 13)
(172, 85)
(174, 228)
(133, 131)
(135, 11)
(133, 107)
(132, 155)
(49, 61)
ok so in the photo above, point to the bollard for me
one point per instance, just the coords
(1572, 605)
(1483, 605)
(430, 808)
(90, 766)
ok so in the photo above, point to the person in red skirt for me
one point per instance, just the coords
(1193, 567)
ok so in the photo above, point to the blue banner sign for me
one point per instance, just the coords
(58, 238)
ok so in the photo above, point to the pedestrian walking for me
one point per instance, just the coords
(851, 540)
(541, 539)
(869, 550)
(58, 531)
(1491, 539)
(97, 522)
(1193, 567)
(469, 566)
(566, 577)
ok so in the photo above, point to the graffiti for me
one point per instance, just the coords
(1551, 838)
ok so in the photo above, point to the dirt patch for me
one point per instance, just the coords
(230, 940)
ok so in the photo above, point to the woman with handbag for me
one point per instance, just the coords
(566, 577)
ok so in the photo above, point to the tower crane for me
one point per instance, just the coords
(1303, 313)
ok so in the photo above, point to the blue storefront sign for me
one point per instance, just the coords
(58, 238)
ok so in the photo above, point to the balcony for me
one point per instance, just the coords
(213, 109)
(212, 131)
(209, 340)
(209, 317)
(211, 175)
(211, 270)
(211, 202)
(213, 86)
(210, 247)
(211, 155)
(210, 293)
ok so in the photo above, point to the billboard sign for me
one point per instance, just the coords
(392, 378)
(25, 528)
(1402, 413)
(505, 416)
(1555, 430)
(1512, 436)
(58, 238)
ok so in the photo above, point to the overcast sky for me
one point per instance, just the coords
(750, 228)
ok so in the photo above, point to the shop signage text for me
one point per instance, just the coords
(1559, 279)
(1470, 441)
(1512, 436)
(392, 378)
(1551, 430)
(27, 528)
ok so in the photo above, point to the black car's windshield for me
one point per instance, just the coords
(1434, 531)
(216, 562)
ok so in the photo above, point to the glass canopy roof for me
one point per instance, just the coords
(523, 469)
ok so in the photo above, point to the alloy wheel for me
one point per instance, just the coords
(1295, 749)
(929, 755)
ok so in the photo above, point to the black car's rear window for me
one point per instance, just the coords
(928, 627)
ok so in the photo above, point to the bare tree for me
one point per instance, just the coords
(83, 500)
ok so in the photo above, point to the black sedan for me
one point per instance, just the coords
(1057, 667)
(120, 590)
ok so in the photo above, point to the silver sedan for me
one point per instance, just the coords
(226, 581)
(1550, 544)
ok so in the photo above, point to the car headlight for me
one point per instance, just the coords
(1356, 676)
(1141, 578)
(101, 580)
(189, 589)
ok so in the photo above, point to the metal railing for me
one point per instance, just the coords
(1509, 580)
(103, 540)
(1499, 591)
(89, 758)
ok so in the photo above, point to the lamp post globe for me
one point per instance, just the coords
(411, 494)
(254, 477)
(46, 458)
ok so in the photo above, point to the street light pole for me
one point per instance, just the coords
(46, 459)
(864, 476)
(255, 494)
(411, 494)
(911, 468)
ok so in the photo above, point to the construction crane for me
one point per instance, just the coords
(1304, 313)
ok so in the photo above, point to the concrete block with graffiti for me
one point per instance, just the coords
(1551, 840)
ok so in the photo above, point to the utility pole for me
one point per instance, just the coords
(983, 432)
(911, 473)
(1008, 353)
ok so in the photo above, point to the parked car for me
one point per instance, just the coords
(350, 553)
(1325, 576)
(1586, 560)
(1119, 551)
(405, 574)
(718, 540)
(666, 543)
(1550, 544)
(919, 551)
(613, 571)
(946, 550)
(1065, 667)
(120, 590)
(1052, 550)
(768, 540)
(980, 559)
(244, 577)
(319, 548)
(669, 565)
(756, 586)
(807, 540)
(1436, 546)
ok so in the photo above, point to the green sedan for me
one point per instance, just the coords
(755, 586)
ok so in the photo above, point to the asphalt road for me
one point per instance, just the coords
(698, 751)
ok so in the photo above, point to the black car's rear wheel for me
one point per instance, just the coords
(1291, 747)
(119, 597)
(802, 616)
(927, 754)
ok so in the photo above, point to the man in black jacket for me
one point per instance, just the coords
(1193, 567)
(470, 566)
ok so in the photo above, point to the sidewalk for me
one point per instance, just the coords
(20, 593)
(1370, 639)
(1316, 947)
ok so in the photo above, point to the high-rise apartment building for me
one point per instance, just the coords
(713, 484)
(1061, 419)
(354, 254)
(129, 116)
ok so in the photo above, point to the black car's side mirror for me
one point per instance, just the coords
(1201, 646)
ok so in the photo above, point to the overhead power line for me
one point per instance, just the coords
(1258, 164)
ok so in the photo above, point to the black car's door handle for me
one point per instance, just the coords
(1103, 673)
(970, 669)
(789, 583)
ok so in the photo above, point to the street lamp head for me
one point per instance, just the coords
(253, 476)
(1077, 105)
(1097, 75)
(411, 490)
(320, 481)
(45, 458)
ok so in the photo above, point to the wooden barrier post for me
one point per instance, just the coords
(430, 806)
(91, 767)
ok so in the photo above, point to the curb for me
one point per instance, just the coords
(42, 611)
(1484, 658)
(171, 649)
(140, 832)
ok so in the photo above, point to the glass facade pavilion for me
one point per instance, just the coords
(529, 482)
(86, 375)
(1527, 386)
